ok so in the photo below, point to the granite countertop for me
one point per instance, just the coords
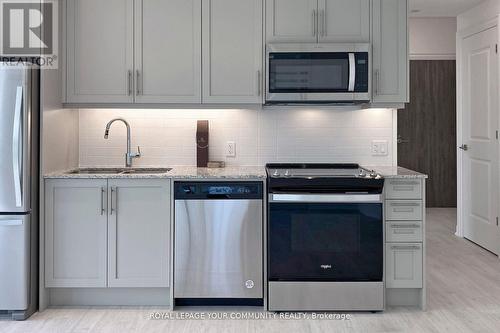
(179, 172)
(247, 172)
(397, 172)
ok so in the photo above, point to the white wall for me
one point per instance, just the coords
(433, 38)
(167, 137)
(486, 11)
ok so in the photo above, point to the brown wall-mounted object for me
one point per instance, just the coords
(202, 143)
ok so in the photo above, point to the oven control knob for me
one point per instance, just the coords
(373, 174)
(287, 173)
(362, 173)
(249, 284)
(276, 173)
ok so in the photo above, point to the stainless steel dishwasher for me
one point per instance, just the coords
(218, 251)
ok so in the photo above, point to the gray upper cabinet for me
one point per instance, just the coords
(232, 51)
(99, 51)
(75, 233)
(167, 51)
(390, 51)
(344, 21)
(139, 233)
(291, 21)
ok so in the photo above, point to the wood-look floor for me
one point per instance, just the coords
(463, 296)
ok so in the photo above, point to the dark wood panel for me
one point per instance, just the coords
(429, 124)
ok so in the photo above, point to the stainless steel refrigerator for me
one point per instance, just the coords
(19, 170)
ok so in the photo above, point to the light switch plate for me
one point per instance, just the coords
(231, 149)
(380, 148)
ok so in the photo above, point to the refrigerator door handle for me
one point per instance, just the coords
(16, 147)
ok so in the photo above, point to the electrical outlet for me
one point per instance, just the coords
(380, 148)
(231, 149)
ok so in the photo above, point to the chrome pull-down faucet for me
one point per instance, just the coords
(129, 156)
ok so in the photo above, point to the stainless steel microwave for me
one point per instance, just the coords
(318, 73)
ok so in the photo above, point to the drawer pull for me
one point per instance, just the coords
(405, 204)
(402, 188)
(405, 247)
(405, 226)
(400, 182)
(403, 210)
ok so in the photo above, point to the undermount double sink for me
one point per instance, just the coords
(120, 171)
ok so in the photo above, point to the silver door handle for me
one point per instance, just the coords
(323, 19)
(315, 23)
(138, 90)
(129, 84)
(352, 72)
(17, 143)
(103, 191)
(326, 198)
(113, 200)
(464, 147)
(401, 140)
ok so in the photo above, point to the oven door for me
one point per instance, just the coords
(329, 73)
(325, 238)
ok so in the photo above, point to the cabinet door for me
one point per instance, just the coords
(139, 233)
(404, 265)
(99, 41)
(232, 51)
(168, 51)
(390, 51)
(291, 21)
(344, 21)
(75, 233)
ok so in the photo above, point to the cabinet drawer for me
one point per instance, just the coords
(404, 265)
(404, 210)
(403, 189)
(403, 231)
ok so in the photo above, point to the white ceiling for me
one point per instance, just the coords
(441, 8)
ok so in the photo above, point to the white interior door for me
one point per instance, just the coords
(480, 123)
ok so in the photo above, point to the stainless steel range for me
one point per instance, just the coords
(325, 238)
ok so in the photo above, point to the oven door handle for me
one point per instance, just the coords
(325, 198)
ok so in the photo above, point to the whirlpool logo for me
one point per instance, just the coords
(326, 267)
(29, 31)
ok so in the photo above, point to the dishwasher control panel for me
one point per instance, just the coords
(218, 190)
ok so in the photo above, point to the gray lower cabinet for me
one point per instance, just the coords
(107, 233)
(139, 233)
(75, 233)
(404, 265)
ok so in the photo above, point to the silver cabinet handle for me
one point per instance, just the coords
(395, 182)
(113, 200)
(405, 247)
(17, 143)
(315, 23)
(103, 191)
(404, 204)
(377, 75)
(323, 25)
(405, 226)
(259, 84)
(138, 90)
(129, 84)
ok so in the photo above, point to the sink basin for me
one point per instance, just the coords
(120, 171)
(96, 171)
(145, 171)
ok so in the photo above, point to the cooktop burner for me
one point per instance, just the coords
(320, 171)
(322, 178)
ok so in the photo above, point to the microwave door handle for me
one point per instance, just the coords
(352, 72)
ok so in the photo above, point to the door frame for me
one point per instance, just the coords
(461, 35)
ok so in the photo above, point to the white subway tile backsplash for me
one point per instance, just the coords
(167, 137)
